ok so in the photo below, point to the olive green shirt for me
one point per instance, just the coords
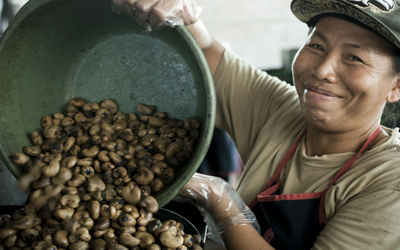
(263, 116)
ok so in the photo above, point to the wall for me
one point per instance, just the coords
(257, 30)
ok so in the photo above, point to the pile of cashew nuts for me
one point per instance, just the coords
(91, 174)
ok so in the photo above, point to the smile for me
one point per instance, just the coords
(319, 94)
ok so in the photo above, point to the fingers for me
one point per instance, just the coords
(123, 6)
(191, 14)
(174, 12)
(163, 10)
(143, 9)
(159, 13)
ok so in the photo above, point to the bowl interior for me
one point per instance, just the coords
(55, 50)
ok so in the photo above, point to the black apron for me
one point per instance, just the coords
(293, 221)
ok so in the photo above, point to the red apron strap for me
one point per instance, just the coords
(343, 170)
(283, 163)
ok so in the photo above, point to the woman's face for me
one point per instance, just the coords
(344, 76)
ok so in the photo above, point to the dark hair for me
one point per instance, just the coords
(391, 113)
(396, 59)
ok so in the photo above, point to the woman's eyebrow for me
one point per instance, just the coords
(320, 35)
(356, 46)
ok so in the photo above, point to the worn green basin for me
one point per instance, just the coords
(55, 50)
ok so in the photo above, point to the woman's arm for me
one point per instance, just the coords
(244, 237)
(212, 49)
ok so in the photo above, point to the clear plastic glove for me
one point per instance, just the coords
(220, 205)
(154, 14)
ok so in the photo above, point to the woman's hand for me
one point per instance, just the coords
(218, 202)
(159, 13)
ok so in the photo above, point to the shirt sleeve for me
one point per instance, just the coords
(246, 98)
(370, 221)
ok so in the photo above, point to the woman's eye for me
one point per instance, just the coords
(354, 58)
(316, 46)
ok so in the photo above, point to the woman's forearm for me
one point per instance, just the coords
(241, 237)
(212, 49)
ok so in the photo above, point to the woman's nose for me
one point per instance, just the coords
(325, 69)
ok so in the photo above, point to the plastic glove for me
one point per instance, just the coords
(154, 14)
(220, 205)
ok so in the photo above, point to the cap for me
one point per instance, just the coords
(383, 16)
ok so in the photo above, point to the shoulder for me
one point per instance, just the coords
(233, 68)
(377, 170)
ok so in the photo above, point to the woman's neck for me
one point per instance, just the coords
(322, 143)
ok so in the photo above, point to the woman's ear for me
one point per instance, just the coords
(394, 94)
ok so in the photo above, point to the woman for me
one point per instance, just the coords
(320, 172)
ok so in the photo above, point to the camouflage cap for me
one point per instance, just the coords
(383, 16)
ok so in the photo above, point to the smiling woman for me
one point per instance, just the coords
(343, 76)
(320, 171)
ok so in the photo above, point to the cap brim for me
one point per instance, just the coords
(305, 10)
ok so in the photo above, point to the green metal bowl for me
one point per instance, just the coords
(55, 50)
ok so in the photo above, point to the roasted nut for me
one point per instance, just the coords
(10, 241)
(60, 239)
(67, 122)
(98, 244)
(131, 193)
(101, 224)
(46, 121)
(170, 239)
(6, 232)
(115, 158)
(157, 185)
(94, 209)
(69, 161)
(132, 210)
(64, 213)
(64, 175)
(144, 218)
(33, 150)
(144, 176)
(107, 211)
(168, 175)
(79, 245)
(70, 200)
(146, 109)
(154, 247)
(127, 239)
(149, 203)
(91, 152)
(146, 239)
(52, 169)
(94, 184)
(19, 158)
(36, 138)
(77, 181)
(87, 171)
(126, 220)
(159, 167)
(25, 222)
(51, 131)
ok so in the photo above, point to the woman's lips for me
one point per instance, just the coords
(321, 91)
(313, 93)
